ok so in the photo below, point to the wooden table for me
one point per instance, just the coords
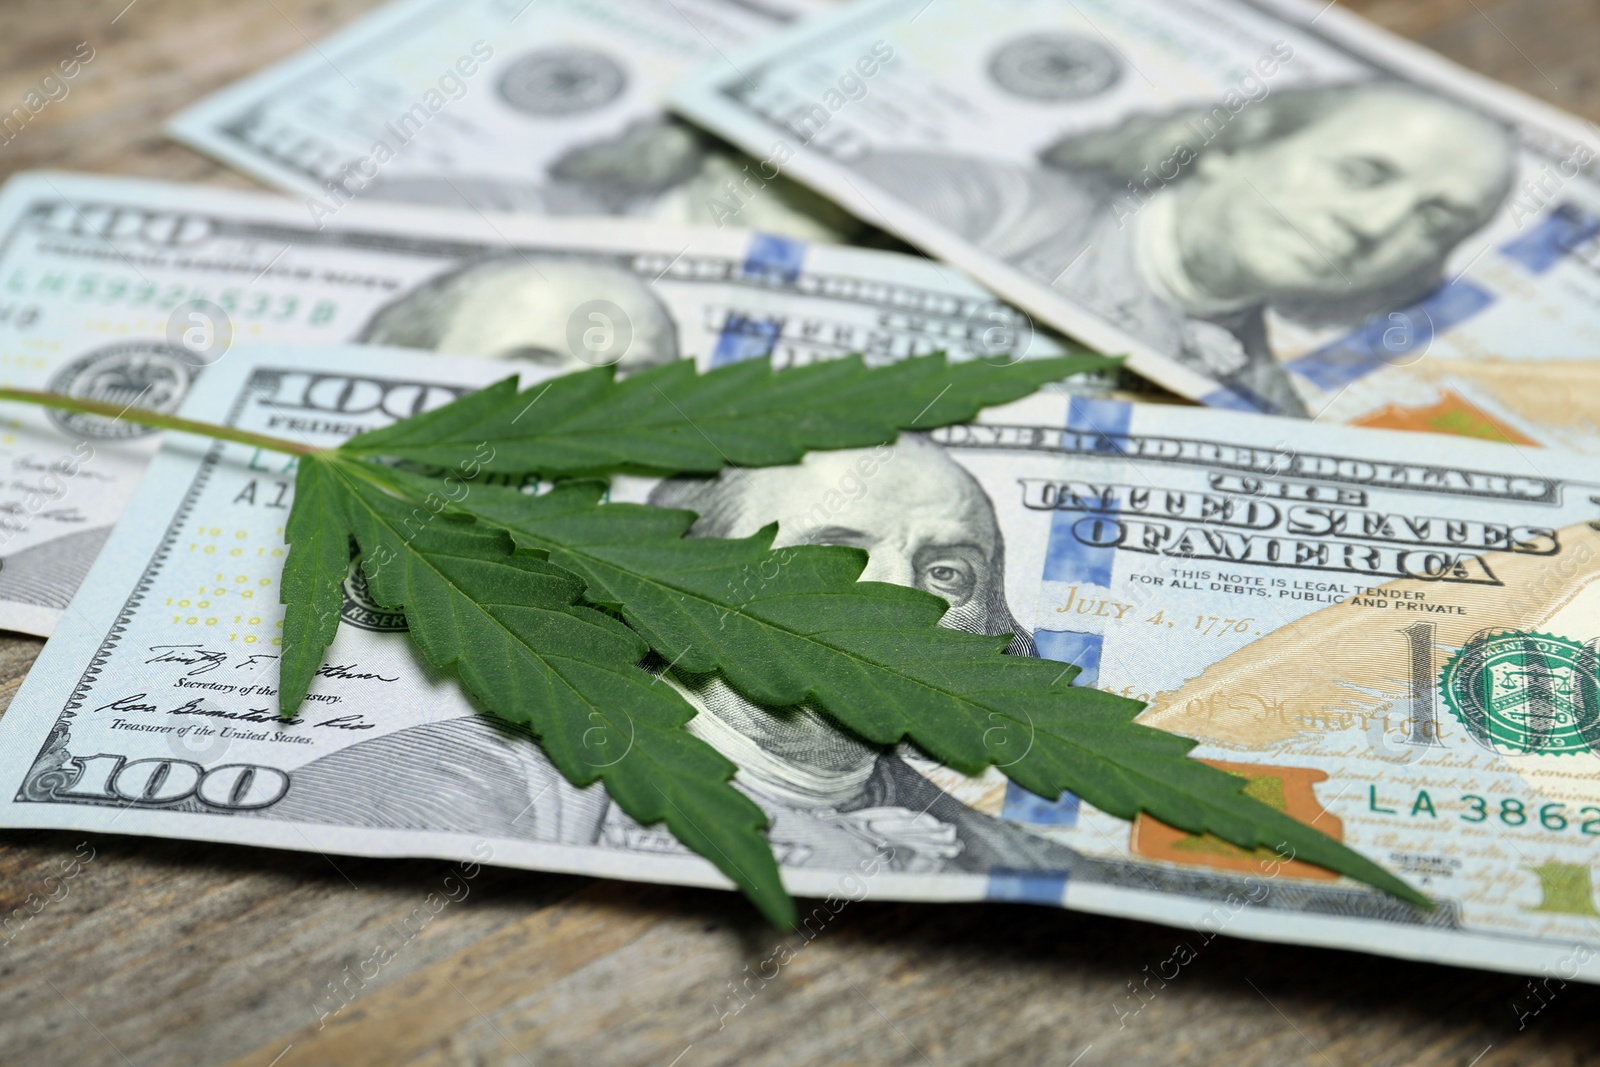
(171, 953)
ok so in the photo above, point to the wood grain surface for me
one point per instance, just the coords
(160, 952)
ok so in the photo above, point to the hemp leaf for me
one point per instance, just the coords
(510, 628)
(672, 420)
(509, 625)
(313, 589)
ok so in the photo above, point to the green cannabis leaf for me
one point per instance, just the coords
(472, 604)
(312, 591)
(672, 420)
(546, 606)
(510, 628)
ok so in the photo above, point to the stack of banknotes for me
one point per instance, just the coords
(1328, 238)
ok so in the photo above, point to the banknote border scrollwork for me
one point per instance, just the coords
(40, 784)
(49, 772)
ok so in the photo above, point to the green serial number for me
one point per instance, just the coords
(1511, 811)
(111, 289)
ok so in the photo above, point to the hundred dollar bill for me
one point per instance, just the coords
(1401, 652)
(548, 108)
(1272, 204)
(126, 290)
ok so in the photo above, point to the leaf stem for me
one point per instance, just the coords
(160, 420)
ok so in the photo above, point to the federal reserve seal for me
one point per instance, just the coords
(562, 81)
(146, 374)
(1054, 67)
(1525, 693)
(364, 613)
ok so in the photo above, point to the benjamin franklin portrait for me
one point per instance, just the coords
(924, 522)
(561, 312)
(832, 799)
(1326, 205)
